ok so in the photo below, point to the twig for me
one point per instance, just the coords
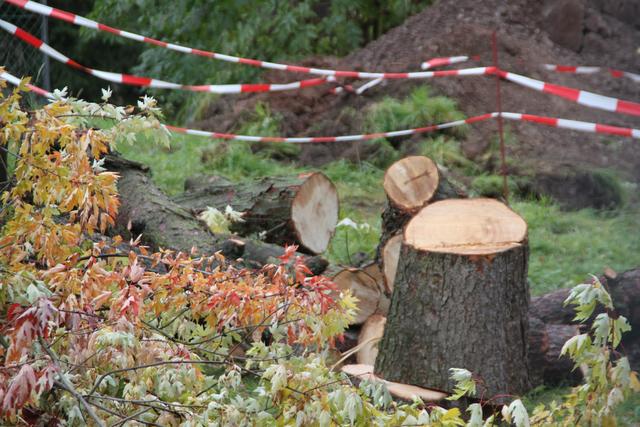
(68, 386)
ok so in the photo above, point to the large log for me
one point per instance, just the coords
(300, 209)
(460, 299)
(624, 289)
(146, 210)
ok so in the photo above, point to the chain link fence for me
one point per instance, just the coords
(17, 57)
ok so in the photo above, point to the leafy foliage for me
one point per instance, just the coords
(98, 331)
(295, 29)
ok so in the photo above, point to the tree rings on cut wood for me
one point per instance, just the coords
(411, 182)
(367, 289)
(466, 227)
(460, 299)
(300, 209)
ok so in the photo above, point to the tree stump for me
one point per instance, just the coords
(299, 209)
(410, 183)
(460, 299)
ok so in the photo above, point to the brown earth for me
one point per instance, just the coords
(574, 32)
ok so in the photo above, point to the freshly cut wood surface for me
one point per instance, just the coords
(390, 256)
(364, 288)
(401, 391)
(411, 182)
(371, 333)
(466, 227)
(314, 212)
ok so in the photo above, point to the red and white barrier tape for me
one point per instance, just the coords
(438, 62)
(547, 121)
(581, 69)
(62, 15)
(88, 23)
(581, 97)
(150, 82)
(570, 69)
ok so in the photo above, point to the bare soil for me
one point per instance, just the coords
(530, 33)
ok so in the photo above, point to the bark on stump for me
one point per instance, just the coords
(460, 299)
(300, 210)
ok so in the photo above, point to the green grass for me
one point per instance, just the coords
(567, 246)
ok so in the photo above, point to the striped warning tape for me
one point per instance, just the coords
(581, 69)
(132, 80)
(62, 15)
(88, 23)
(220, 89)
(438, 62)
(570, 69)
(547, 121)
(229, 88)
(581, 97)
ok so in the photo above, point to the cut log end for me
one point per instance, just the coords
(370, 334)
(314, 212)
(466, 227)
(362, 286)
(411, 182)
(390, 256)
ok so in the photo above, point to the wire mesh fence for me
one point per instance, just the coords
(16, 56)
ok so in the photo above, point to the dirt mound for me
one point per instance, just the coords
(577, 32)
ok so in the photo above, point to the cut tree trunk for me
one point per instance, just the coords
(410, 183)
(370, 334)
(460, 299)
(389, 261)
(624, 289)
(164, 224)
(546, 365)
(362, 286)
(300, 210)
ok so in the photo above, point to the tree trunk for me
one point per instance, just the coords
(410, 183)
(460, 299)
(146, 210)
(546, 366)
(300, 210)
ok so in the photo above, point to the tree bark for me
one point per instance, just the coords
(300, 210)
(457, 304)
(146, 210)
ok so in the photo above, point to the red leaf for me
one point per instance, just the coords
(20, 390)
